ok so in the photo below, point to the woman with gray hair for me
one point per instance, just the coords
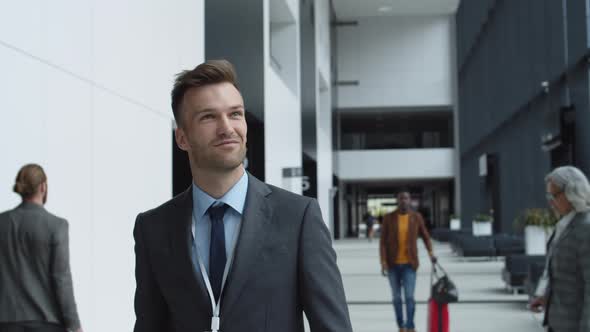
(564, 288)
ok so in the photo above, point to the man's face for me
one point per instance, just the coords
(557, 199)
(403, 201)
(213, 127)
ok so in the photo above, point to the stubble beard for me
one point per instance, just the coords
(218, 163)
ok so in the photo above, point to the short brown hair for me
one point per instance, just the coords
(209, 72)
(28, 180)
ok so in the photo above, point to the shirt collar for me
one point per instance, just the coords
(565, 220)
(235, 197)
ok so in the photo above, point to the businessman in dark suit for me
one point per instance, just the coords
(36, 293)
(231, 253)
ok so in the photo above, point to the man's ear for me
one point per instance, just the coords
(43, 187)
(181, 139)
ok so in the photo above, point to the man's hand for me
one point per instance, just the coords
(538, 304)
(432, 257)
(384, 269)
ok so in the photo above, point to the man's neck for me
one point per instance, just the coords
(34, 200)
(403, 211)
(216, 184)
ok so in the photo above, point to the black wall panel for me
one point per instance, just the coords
(234, 30)
(506, 50)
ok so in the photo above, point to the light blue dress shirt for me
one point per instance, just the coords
(236, 199)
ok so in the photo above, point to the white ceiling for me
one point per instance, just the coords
(350, 9)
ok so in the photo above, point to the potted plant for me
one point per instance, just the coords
(455, 223)
(538, 225)
(482, 225)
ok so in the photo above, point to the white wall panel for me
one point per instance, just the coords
(391, 165)
(23, 118)
(84, 92)
(325, 168)
(189, 47)
(68, 167)
(23, 25)
(282, 125)
(323, 45)
(69, 24)
(398, 62)
(137, 55)
(282, 113)
(293, 7)
(131, 173)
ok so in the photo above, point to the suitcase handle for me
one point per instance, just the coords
(434, 271)
(437, 264)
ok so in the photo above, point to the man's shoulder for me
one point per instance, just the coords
(580, 231)
(5, 214)
(56, 220)
(43, 213)
(276, 194)
(32, 219)
(165, 209)
(583, 226)
(389, 215)
(393, 215)
(416, 214)
(4, 218)
(280, 196)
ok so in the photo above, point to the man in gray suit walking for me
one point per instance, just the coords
(36, 293)
(564, 288)
(231, 253)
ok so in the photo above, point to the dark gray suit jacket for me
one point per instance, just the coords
(284, 264)
(568, 309)
(35, 278)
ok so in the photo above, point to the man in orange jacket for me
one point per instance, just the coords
(399, 256)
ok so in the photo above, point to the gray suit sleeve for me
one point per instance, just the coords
(62, 276)
(320, 282)
(584, 264)
(151, 311)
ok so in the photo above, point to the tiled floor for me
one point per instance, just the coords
(484, 303)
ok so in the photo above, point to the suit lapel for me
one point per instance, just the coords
(182, 241)
(568, 229)
(394, 221)
(550, 241)
(555, 242)
(254, 225)
(413, 226)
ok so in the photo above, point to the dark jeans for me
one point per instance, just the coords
(403, 277)
(31, 327)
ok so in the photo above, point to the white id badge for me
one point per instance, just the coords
(215, 322)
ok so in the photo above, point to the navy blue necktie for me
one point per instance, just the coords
(217, 257)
